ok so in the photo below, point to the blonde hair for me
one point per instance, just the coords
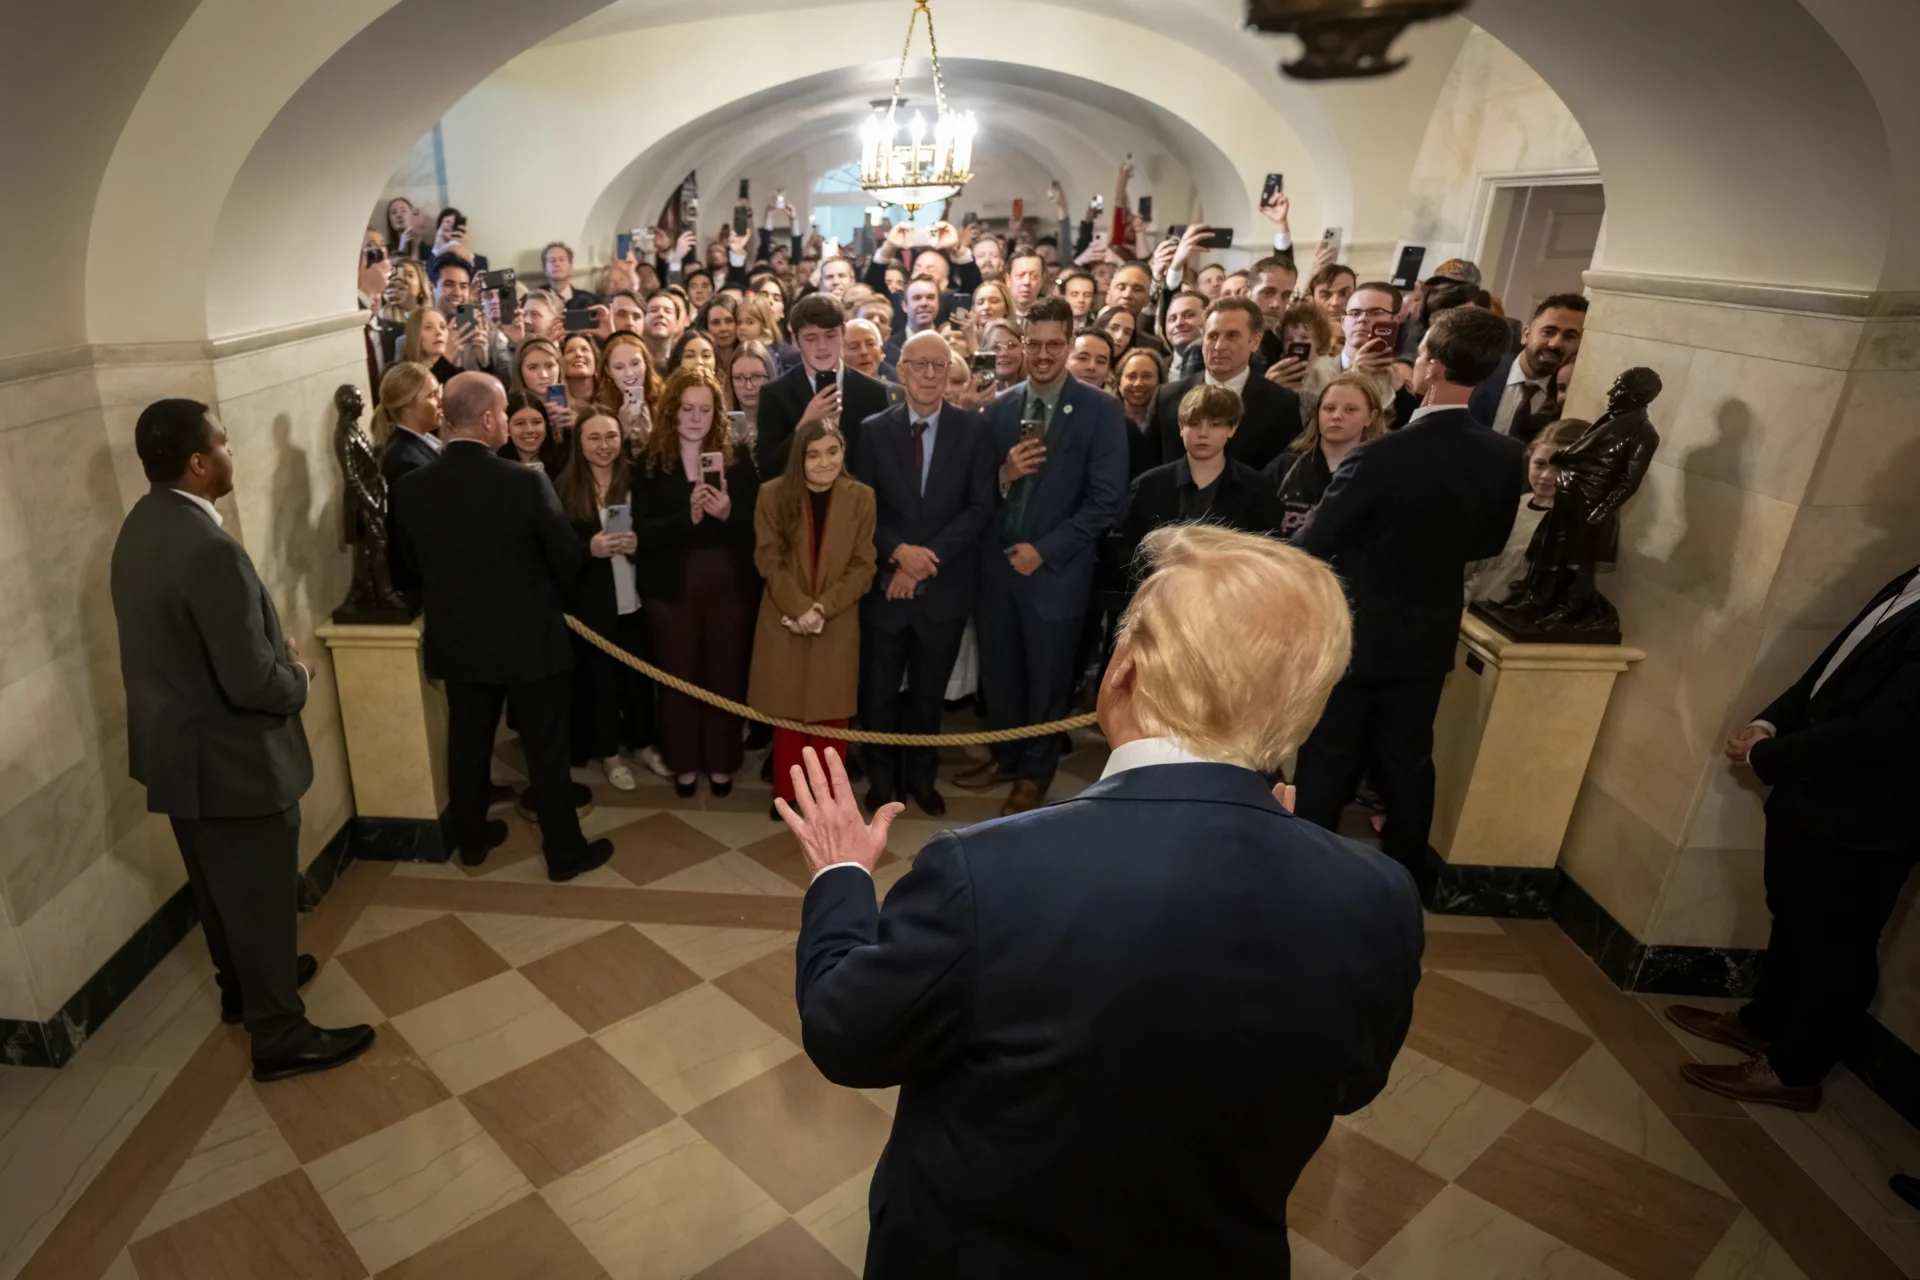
(1236, 641)
(402, 384)
(1309, 438)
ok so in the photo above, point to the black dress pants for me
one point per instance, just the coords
(923, 653)
(243, 872)
(613, 705)
(1382, 729)
(1822, 965)
(1026, 671)
(540, 712)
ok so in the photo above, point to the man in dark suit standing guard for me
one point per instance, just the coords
(485, 543)
(931, 468)
(214, 693)
(1839, 752)
(1121, 1025)
(1400, 521)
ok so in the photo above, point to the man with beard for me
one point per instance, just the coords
(1522, 396)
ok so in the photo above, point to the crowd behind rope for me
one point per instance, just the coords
(853, 486)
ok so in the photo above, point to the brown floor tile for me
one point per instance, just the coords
(785, 1253)
(281, 1230)
(794, 1134)
(1515, 1051)
(659, 845)
(1355, 1195)
(766, 987)
(325, 1111)
(1627, 1212)
(1488, 952)
(565, 1110)
(524, 1241)
(780, 853)
(1631, 1031)
(608, 977)
(576, 902)
(422, 964)
(1816, 1233)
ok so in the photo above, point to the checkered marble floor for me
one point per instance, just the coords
(605, 1079)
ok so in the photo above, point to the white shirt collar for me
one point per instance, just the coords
(1426, 409)
(1144, 752)
(204, 505)
(1517, 375)
(1236, 384)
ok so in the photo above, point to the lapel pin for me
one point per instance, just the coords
(1066, 408)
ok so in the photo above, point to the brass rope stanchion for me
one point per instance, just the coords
(746, 712)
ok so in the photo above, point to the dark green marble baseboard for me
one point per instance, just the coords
(26, 1043)
(1463, 889)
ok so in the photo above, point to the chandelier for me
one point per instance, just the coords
(899, 162)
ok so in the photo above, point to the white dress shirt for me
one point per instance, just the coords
(1908, 596)
(1144, 752)
(1517, 382)
(1236, 384)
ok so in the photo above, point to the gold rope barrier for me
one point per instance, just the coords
(746, 712)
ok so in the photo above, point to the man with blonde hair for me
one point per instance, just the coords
(1121, 1024)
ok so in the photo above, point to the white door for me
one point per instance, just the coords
(1545, 243)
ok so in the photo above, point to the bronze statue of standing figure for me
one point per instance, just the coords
(372, 599)
(1557, 601)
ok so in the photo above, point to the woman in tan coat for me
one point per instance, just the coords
(813, 543)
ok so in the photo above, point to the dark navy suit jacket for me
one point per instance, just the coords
(1121, 1026)
(1080, 495)
(948, 518)
(1484, 403)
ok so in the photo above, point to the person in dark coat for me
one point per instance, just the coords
(1270, 413)
(1202, 484)
(821, 386)
(1300, 476)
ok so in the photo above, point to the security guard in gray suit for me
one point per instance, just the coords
(214, 693)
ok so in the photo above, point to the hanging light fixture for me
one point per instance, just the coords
(1345, 39)
(911, 162)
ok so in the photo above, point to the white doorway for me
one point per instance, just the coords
(1539, 240)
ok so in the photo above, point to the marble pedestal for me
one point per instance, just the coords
(395, 723)
(1516, 726)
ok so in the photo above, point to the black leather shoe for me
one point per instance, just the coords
(594, 855)
(721, 789)
(685, 790)
(496, 836)
(931, 802)
(773, 812)
(326, 1048)
(233, 1015)
(877, 797)
(766, 768)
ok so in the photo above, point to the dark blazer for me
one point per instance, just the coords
(1843, 758)
(1400, 521)
(404, 453)
(1484, 403)
(1080, 495)
(485, 543)
(213, 704)
(784, 400)
(1121, 1025)
(592, 597)
(1243, 499)
(948, 519)
(663, 525)
(1269, 420)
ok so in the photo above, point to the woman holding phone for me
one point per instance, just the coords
(530, 438)
(693, 505)
(613, 704)
(753, 368)
(629, 387)
(813, 543)
(536, 371)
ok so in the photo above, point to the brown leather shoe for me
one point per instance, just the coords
(1752, 1081)
(1721, 1028)
(984, 776)
(1025, 795)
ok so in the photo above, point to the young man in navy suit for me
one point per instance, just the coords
(1121, 1025)
(1061, 447)
(931, 469)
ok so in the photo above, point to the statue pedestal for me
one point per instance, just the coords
(1516, 725)
(395, 721)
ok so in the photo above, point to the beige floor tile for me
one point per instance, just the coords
(610, 977)
(711, 950)
(1459, 1236)
(562, 1112)
(166, 1018)
(1597, 1095)
(665, 1205)
(401, 1189)
(729, 872)
(429, 871)
(1461, 924)
(486, 1030)
(1747, 1252)
(785, 1253)
(792, 1132)
(609, 818)
(888, 1100)
(241, 1150)
(838, 1220)
(524, 1241)
(660, 845)
(122, 1268)
(334, 999)
(1439, 1118)
(378, 922)
(534, 871)
(1517, 1052)
(1529, 991)
(696, 1046)
(1311, 1262)
(57, 1145)
(327, 1110)
(1355, 1195)
(417, 966)
(734, 830)
(765, 988)
(281, 1230)
(523, 939)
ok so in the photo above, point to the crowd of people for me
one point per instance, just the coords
(853, 484)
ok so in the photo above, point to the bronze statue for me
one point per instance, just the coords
(372, 599)
(1557, 601)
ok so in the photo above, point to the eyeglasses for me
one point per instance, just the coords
(1371, 313)
(749, 379)
(923, 366)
